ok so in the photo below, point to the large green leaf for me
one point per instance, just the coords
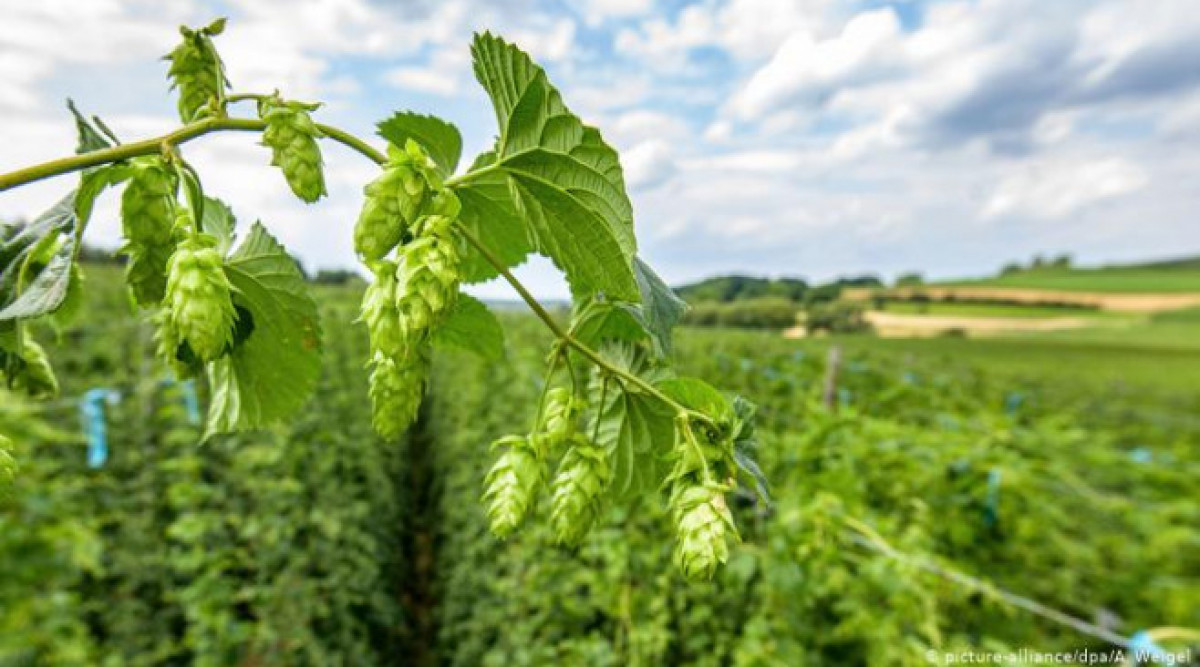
(489, 214)
(564, 179)
(439, 138)
(218, 221)
(90, 137)
(35, 263)
(270, 374)
(636, 429)
(472, 327)
(661, 308)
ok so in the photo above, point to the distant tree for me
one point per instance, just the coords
(836, 317)
(1063, 261)
(1011, 269)
(910, 280)
(336, 277)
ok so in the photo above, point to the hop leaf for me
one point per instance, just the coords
(578, 489)
(34, 376)
(396, 389)
(8, 466)
(196, 69)
(292, 137)
(511, 485)
(198, 298)
(702, 526)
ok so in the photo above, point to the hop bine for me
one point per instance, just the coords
(578, 490)
(395, 200)
(199, 298)
(292, 137)
(196, 70)
(512, 484)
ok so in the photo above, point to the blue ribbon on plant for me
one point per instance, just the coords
(1145, 649)
(91, 408)
(187, 390)
(991, 507)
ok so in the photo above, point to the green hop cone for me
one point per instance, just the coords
(199, 298)
(381, 315)
(148, 202)
(169, 347)
(396, 389)
(559, 415)
(196, 69)
(577, 493)
(292, 137)
(395, 200)
(703, 525)
(512, 484)
(35, 376)
(428, 278)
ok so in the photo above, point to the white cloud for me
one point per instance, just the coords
(597, 12)
(648, 164)
(1057, 190)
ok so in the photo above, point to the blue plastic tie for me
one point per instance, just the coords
(1145, 649)
(1013, 402)
(91, 408)
(190, 401)
(1141, 455)
(991, 509)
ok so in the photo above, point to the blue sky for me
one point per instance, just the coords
(810, 137)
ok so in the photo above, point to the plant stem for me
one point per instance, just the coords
(154, 146)
(567, 338)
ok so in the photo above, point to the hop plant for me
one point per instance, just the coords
(703, 525)
(396, 388)
(381, 315)
(511, 485)
(199, 298)
(428, 278)
(394, 200)
(578, 489)
(292, 137)
(196, 69)
(35, 377)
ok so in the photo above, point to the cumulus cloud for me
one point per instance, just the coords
(1051, 191)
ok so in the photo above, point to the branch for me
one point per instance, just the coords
(567, 338)
(155, 145)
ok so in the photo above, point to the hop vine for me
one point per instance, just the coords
(232, 309)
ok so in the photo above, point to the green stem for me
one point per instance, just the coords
(567, 338)
(155, 145)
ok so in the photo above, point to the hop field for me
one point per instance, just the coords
(318, 543)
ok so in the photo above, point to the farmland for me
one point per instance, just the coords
(1061, 471)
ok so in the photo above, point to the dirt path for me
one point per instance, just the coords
(1126, 303)
(897, 325)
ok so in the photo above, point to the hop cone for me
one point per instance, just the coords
(396, 389)
(428, 278)
(167, 344)
(511, 485)
(381, 315)
(148, 203)
(292, 137)
(394, 201)
(36, 377)
(559, 416)
(577, 491)
(198, 298)
(702, 524)
(196, 69)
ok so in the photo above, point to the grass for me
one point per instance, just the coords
(1182, 279)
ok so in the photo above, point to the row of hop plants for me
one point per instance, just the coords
(283, 547)
(924, 456)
